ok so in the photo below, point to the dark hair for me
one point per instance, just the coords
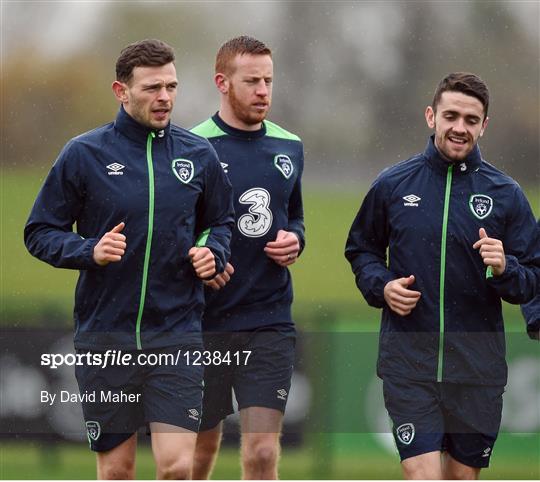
(238, 46)
(145, 53)
(466, 83)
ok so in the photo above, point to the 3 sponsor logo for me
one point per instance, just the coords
(257, 221)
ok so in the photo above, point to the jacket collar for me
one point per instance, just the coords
(128, 126)
(434, 158)
(233, 131)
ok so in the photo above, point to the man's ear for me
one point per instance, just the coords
(484, 125)
(430, 117)
(222, 83)
(120, 91)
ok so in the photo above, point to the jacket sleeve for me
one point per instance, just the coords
(367, 244)
(520, 281)
(296, 209)
(215, 212)
(531, 313)
(48, 234)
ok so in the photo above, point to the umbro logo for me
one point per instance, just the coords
(115, 169)
(194, 414)
(411, 200)
(487, 452)
(225, 166)
(282, 394)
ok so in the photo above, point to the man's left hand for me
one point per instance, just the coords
(220, 280)
(492, 252)
(203, 262)
(284, 250)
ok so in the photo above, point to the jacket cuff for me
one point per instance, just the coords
(301, 240)
(512, 267)
(220, 267)
(87, 260)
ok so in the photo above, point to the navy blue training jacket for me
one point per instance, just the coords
(169, 189)
(265, 169)
(531, 313)
(428, 212)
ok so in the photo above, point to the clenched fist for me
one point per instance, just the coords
(203, 262)
(111, 247)
(284, 250)
(492, 252)
(220, 280)
(399, 297)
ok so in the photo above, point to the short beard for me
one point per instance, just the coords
(242, 112)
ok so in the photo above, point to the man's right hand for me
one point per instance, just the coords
(111, 247)
(220, 280)
(399, 297)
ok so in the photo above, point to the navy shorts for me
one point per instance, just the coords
(158, 386)
(463, 420)
(261, 380)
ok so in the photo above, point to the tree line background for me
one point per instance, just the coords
(351, 78)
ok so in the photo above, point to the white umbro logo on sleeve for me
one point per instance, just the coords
(411, 200)
(115, 169)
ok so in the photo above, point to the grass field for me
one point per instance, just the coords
(363, 459)
(323, 282)
(326, 299)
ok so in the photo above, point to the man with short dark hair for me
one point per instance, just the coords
(154, 214)
(460, 236)
(250, 312)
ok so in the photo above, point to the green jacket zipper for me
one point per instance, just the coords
(442, 272)
(150, 165)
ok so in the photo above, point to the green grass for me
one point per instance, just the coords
(326, 298)
(323, 282)
(514, 458)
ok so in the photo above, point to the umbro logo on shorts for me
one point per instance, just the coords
(487, 452)
(115, 169)
(194, 414)
(282, 394)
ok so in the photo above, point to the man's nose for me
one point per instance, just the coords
(164, 95)
(459, 125)
(262, 89)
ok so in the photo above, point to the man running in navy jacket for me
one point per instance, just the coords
(460, 236)
(531, 313)
(153, 213)
(250, 311)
